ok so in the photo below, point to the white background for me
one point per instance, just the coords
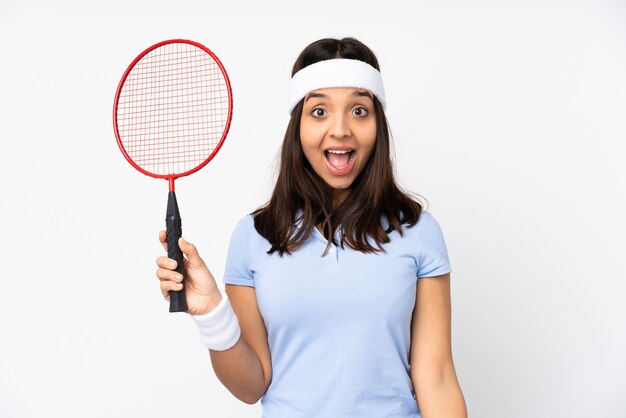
(508, 116)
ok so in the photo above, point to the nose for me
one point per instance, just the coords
(339, 127)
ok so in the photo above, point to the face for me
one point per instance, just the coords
(338, 133)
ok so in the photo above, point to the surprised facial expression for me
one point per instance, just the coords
(338, 133)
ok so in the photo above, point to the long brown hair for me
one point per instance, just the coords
(373, 194)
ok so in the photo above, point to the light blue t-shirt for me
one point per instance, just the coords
(339, 326)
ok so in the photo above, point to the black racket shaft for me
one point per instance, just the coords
(174, 231)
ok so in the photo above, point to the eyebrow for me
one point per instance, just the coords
(357, 93)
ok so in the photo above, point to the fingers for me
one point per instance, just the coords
(166, 263)
(170, 280)
(191, 252)
(168, 285)
(186, 247)
(163, 239)
(165, 274)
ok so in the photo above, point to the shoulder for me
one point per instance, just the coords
(426, 224)
(246, 222)
(427, 221)
(428, 229)
(243, 232)
(246, 234)
(244, 226)
(432, 250)
(240, 251)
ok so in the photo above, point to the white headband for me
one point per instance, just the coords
(338, 72)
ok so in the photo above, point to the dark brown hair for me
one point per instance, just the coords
(373, 193)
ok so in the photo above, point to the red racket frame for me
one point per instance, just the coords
(171, 177)
(173, 220)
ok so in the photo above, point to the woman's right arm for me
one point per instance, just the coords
(245, 368)
(251, 355)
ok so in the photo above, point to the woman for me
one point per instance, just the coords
(337, 298)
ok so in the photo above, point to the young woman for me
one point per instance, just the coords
(337, 300)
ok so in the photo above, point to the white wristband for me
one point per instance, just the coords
(219, 328)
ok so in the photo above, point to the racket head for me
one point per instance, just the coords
(172, 109)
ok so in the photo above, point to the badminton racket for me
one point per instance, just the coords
(171, 114)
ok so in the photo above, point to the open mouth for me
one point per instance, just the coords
(340, 158)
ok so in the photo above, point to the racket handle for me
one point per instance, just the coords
(174, 231)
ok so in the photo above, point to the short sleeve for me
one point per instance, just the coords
(432, 253)
(237, 270)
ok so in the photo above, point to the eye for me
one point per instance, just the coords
(360, 111)
(318, 112)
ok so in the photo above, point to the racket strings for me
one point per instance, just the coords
(173, 109)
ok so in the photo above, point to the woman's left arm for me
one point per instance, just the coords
(432, 369)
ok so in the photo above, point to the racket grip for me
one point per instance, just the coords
(173, 224)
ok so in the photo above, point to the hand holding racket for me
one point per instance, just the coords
(201, 292)
(171, 114)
